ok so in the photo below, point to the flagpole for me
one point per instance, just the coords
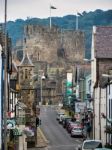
(50, 17)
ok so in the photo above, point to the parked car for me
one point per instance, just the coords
(73, 125)
(77, 131)
(69, 124)
(65, 121)
(59, 114)
(61, 118)
(103, 148)
(91, 145)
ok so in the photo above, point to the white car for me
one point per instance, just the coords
(59, 114)
(91, 145)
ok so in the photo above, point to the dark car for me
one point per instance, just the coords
(65, 121)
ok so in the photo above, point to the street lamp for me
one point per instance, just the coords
(41, 98)
(42, 77)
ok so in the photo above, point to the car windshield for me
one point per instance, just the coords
(92, 145)
(77, 129)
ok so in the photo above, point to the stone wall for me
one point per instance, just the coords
(55, 45)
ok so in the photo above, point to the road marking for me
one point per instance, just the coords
(58, 146)
(43, 136)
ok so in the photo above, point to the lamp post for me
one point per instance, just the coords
(41, 89)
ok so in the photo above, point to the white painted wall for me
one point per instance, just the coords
(0, 93)
(103, 110)
(93, 62)
(88, 80)
(96, 112)
(99, 98)
(109, 109)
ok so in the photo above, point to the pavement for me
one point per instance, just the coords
(42, 142)
(41, 139)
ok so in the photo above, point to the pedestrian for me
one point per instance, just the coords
(88, 126)
(38, 122)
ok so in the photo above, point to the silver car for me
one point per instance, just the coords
(77, 131)
(91, 145)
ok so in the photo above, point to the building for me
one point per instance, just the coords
(101, 64)
(54, 49)
(0, 95)
(25, 73)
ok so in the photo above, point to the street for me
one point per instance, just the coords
(57, 136)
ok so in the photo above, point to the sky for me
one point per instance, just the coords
(23, 9)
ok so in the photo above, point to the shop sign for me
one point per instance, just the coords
(80, 107)
(10, 124)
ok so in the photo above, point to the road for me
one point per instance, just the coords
(57, 136)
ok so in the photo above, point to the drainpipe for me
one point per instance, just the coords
(106, 112)
(100, 114)
(94, 113)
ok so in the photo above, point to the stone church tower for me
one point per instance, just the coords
(25, 73)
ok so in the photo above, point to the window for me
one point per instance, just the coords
(26, 73)
(109, 108)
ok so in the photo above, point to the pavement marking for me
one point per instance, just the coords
(43, 136)
(58, 146)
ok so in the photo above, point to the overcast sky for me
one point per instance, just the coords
(40, 8)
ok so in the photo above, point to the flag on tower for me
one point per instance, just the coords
(52, 7)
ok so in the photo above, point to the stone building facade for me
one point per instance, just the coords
(25, 73)
(55, 45)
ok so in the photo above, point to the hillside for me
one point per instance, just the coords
(86, 21)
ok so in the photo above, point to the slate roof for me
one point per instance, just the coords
(103, 42)
(26, 61)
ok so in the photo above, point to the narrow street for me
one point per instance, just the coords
(57, 136)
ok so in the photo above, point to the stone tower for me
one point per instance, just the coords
(25, 73)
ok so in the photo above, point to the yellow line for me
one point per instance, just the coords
(43, 136)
